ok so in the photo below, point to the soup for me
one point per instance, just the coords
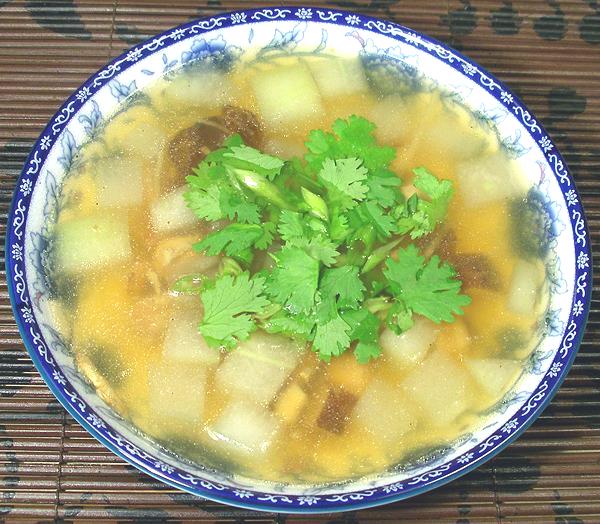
(127, 285)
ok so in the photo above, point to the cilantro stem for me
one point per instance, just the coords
(379, 255)
(261, 187)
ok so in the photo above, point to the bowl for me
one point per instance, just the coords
(285, 30)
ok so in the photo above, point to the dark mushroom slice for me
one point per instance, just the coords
(189, 147)
(243, 122)
(336, 411)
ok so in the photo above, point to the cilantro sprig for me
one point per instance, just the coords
(328, 222)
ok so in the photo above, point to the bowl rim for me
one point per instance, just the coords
(346, 500)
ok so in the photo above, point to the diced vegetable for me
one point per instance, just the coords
(487, 180)
(208, 89)
(290, 403)
(347, 373)
(258, 367)
(525, 283)
(119, 182)
(287, 95)
(410, 347)
(336, 77)
(439, 387)
(454, 337)
(183, 343)
(136, 132)
(244, 428)
(494, 375)
(170, 212)
(384, 411)
(336, 411)
(283, 148)
(394, 122)
(92, 242)
(177, 392)
(444, 141)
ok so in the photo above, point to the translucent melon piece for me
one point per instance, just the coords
(383, 410)
(244, 428)
(177, 392)
(284, 147)
(338, 77)
(258, 367)
(204, 88)
(287, 95)
(455, 133)
(393, 119)
(494, 375)
(410, 347)
(487, 179)
(523, 292)
(439, 387)
(92, 242)
(183, 343)
(137, 131)
(119, 182)
(170, 212)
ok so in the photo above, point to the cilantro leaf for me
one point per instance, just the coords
(321, 248)
(427, 288)
(228, 307)
(344, 283)
(384, 188)
(419, 216)
(384, 223)
(365, 330)
(294, 279)
(231, 240)
(344, 180)
(332, 333)
(250, 158)
(297, 325)
(352, 138)
(291, 226)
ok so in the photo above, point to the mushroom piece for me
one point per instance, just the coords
(189, 147)
(244, 122)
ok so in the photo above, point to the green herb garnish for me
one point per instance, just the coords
(329, 222)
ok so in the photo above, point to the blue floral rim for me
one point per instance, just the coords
(42, 357)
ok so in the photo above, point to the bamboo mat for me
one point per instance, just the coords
(547, 51)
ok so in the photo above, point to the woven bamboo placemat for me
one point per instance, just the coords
(548, 51)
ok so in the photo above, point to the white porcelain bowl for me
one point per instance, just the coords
(255, 33)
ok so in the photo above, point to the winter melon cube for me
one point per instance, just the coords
(523, 292)
(494, 375)
(487, 179)
(170, 212)
(92, 242)
(411, 347)
(393, 120)
(287, 95)
(439, 387)
(119, 182)
(338, 77)
(177, 392)
(258, 367)
(244, 428)
(383, 410)
(205, 88)
(137, 132)
(183, 343)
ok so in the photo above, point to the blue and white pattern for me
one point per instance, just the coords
(220, 40)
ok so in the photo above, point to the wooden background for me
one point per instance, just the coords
(548, 51)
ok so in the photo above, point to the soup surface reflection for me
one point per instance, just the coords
(271, 409)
